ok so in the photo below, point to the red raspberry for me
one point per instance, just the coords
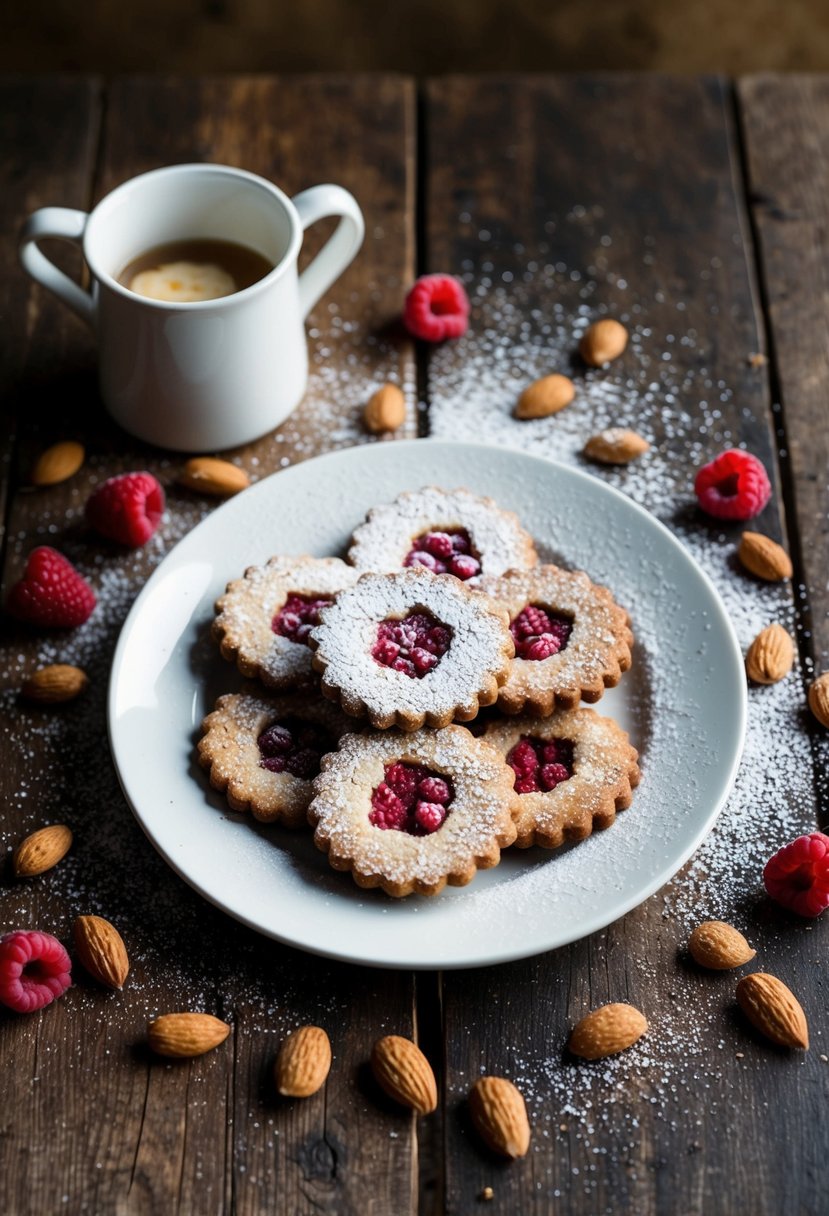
(464, 566)
(439, 544)
(404, 779)
(51, 592)
(429, 816)
(733, 486)
(34, 969)
(387, 810)
(798, 875)
(523, 758)
(434, 789)
(127, 508)
(553, 775)
(436, 308)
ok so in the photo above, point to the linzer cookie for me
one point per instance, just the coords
(264, 618)
(412, 649)
(573, 772)
(444, 531)
(572, 640)
(263, 752)
(411, 813)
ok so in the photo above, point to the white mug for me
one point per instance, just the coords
(198, 377)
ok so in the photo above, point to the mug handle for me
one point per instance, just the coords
(339, 250)
(68, 225)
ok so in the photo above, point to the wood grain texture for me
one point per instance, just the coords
(560, 200)
(88, 1122)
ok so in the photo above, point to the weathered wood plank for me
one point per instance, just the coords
(86, 1114)
(560, 200)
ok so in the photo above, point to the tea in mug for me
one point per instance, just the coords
(185, 272)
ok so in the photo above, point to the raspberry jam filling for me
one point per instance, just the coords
(411, 799)
(540, 764)
(298, 616)
(293, 746)
(413, 645)
(540, 632)
(445, 553)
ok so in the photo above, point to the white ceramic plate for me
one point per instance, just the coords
(683, 704)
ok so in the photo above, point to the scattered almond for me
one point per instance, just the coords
(403, 1071)
(41, 851)
(756, 359)
(773, 1009)
(606, 1030)
(219, 478)
(57, 463)
(182, 1035)
(719, 946)
(615, 446)
(303, 1062)
(500, 1116)
(764, 558)
(54, 684)
(819, 698)
(544, 397)
(602, 342)
(770, 656)
(385, 409)
(101, 950)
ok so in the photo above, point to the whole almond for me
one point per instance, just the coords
(101, 950)
(402, 1070)
(719, 946)
(500, 1116)
(615, 446)
(544, 397)
(303, 1062)
(54, 684)
(819, 698)
(182, 1035)
(606, 1030)
(773, 1009)
(42, 850)
(385, 410)
(602, 342)
(770, 656)
(763, 557)
(219, 478)
(57, 463)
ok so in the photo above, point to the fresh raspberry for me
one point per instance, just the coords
(420, 557)
(34, 970)
(539, 632)
(552, 775)
(733, 486)
(464, 566)
(51, 592)
(540, 766)
(298, 616)
(387, 810)
(414, 645)
(411, 799)
(439, 544)
(798, 875)
(429, 816)
(434, 789)
(404, 780)
(127, 508)
(445, 552)
(437, 307)
(523, 757)
(293, 746)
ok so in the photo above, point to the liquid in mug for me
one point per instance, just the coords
(187, 271)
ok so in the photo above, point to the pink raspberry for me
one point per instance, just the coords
(797, 877)
(526, 784)
(387, 810)
(51, 592)
(464, 567)
(733, 486)
(439, 544)
(127, 508)
(298, 616)
(429, 816)
(413, 646)
(539, 633)
(419, 557)
(540, 766)
(404, 779)
(34, 970)
(523, 757)
(552, 775)
(434, 789)
(436, 308)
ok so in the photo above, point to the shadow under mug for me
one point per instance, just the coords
(198, 377)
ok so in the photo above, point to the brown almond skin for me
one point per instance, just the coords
(770, 656)
(615, 446)
(219, 478)
(58, 463)
(500, 1116)
(545, 397)
(101, 950)
(54, 684)
(403, 1072)
(819, 698)
(385, 410)
(41, 850)
(764, 558)
(719, 946)
(303, 1062)
(606, 1031)
(180, 1036)
(603, 342)
(773, 1009)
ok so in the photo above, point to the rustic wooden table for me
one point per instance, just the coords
(696, 210)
